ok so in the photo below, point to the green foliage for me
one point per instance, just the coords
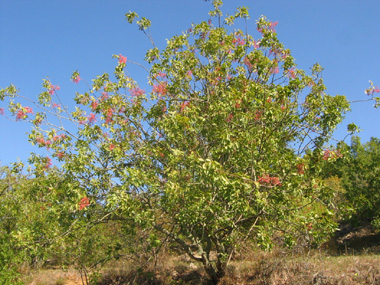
(227, 146)
(11, 254)
(359, 174)
(41, 220)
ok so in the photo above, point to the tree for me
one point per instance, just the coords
(227, 145)
(10, 254)
(359, 176)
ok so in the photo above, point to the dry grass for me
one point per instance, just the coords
(53, 277)
(344, 261)
(254, 267)
(315, 268)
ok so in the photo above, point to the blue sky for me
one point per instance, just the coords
(53, 38)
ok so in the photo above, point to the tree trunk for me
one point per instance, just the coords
(215, 274)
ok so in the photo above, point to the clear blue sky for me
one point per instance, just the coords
(53, 38)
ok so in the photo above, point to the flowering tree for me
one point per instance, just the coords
(225, 146)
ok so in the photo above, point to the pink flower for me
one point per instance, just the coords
(371, 90)
(122, 59)
(326, 154)
(20, 115)
(331, 154)
(76, 79)
(248, 63)
(104, 96)
(53, 88)
(274, 51)
(275, 181)
(109, 116)
(94, 105)
(292, 73)
(137, 92)
(84, 202)
(300, 168)
(230, 117)
(275, 70)
(160, 88)
(162, 74)
(269, 181)
(184, 105)
(238, 41)
(1, 111)
(272, 26)
(264, 179)
(40, 140)
(48, 163)
(60, 155)
(91, 118)
(111, 146)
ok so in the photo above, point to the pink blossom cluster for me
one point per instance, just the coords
(372, 90)
(60, 154)
(84, 202)
(271, 27)
(161, 74)
(301, 168)
(122, 59)
(42, 142)
(48, 163)
(109, 116)
(269, 181)
(331, 154)
(292, 73)
(160, 88)
(22, 113)
(136, 92)
(94, 105)
(53, 88)
(76, 79)
(238, 41)
(184, 105)
(91, 118)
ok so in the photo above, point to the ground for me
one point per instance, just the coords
(353, 257)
